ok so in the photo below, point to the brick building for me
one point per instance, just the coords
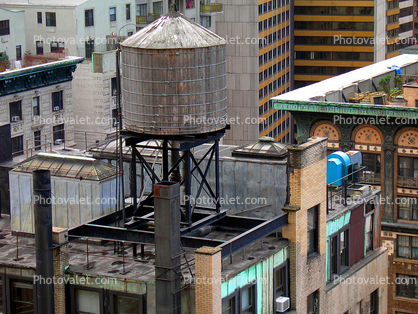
(233, 264)
(345, 109)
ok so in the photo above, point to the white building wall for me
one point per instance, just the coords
(16, 37)
(380, 30)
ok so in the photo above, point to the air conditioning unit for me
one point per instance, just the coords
(56, 108)
(58, 141)
(282, 304)
(15, 119)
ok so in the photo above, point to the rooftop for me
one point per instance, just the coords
(320, 90)
(35, 3)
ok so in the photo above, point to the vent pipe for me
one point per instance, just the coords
(167, 247)
(43, 241)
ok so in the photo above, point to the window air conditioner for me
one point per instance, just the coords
(58, 141)
(282, 304)
(56, 108)
(15, 119)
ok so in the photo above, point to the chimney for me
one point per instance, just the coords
(167, 247)
(43, 241)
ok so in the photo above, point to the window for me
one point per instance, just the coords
(22, 296)
(407, 247)
(229, 305)
(57, 101)
(87, 301)
(19, 52)
(313, 303)
(17, 145)
(141, 9)
(15, 109)
(369, 233)
(59, 134)
(408, 167)
(374, 302)
(115, 118)
(39, 15)
(57, 47)
(51, 19)
(37, 140)
(248, 302)
(280, 283)
(408, 208)
(339, 252)
(206, 21)
(312, 230)
(114, 86)
(157, 7)
(128, 11)
(4, 28)
(112, 14)
(39, 48)
(371, 162)
(406, 286)
(123, 304)
(88, 18)
(89, 48)
(35, 106)
(189, 4)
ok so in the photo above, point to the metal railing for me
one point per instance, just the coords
(151, 17)
(408, 182)
(212, 8)
(333, 190)
(370, 177)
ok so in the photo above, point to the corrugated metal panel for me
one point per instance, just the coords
(262, 273)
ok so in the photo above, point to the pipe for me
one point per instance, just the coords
(43, 241)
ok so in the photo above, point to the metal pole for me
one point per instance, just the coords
(133, 181)
(218, 206)
(43, 241)
(119, 133)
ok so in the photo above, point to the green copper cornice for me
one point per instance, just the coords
(38, 76)
(346, 108)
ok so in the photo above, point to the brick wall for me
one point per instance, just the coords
(208, 280)
(307, 181)
(60, 261)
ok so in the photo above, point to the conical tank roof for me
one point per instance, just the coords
(173, 31)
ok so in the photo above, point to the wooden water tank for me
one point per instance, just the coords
(173, 78)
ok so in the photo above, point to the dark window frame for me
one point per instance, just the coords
(89, 48)
(368, 249)
(16, 151)
(37, 140)
(309, 309)
(410, 247)
(39, 17)
(51, 19)
(73, 297)
(314, 247)
(253, 286)
(340, 268)
(58, 134)
(410, 170)
(39, 48)
(112, 16)
(411, 209)
(235, 295)
(409, 287)
(18, 112)
(59, 102)
(128, 11)
(36, 112)
(140, 297)
(4, 27)
(374, 302)
(285, 266)
(19, 52)
(8, 286)
(88, 18)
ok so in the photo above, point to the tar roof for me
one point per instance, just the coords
(76, 167)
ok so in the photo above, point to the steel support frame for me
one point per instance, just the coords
(188, 160)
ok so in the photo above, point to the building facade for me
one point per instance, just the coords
(388, 145)
(333, 38)
(12, 34)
